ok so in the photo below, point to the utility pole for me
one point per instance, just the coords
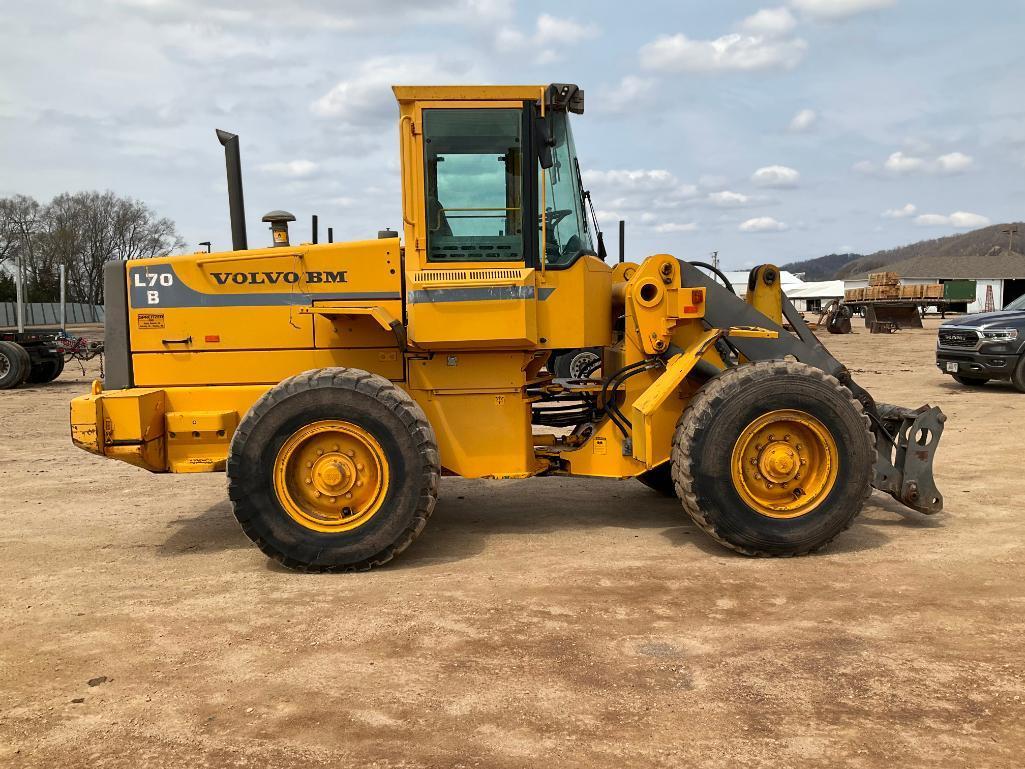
(715, 259)
(1010, 232)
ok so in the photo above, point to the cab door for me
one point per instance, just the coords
(470, 208)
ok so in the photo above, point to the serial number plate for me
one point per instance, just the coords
(952, 366)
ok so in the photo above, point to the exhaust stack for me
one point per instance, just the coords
(236, 206)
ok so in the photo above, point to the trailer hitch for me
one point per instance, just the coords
(906, 441)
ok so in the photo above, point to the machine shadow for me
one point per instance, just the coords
(472, 512)
(212, 530)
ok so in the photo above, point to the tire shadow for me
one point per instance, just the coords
(469, 513)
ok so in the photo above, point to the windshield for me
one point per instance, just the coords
(566, 235)
(1017, 304)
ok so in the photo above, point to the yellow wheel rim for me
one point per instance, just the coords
(784, 464)
(331, 476)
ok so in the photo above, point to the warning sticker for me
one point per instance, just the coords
(151, 320)
(600, 444)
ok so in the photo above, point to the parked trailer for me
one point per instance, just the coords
(29, 356)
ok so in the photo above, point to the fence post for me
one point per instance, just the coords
(64, 316)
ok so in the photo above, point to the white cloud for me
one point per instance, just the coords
(900, 213)
(366, 96)
(838, 9)
(656, 180)
(954, 163)
(294, 169)
(675, 227)
(631, 92)
(550, 31)
(961, 220)
(728, 198)
(762, 224)
(769, 21)
(803, 120)
(901, 164)
(729, 53)
(776, 176)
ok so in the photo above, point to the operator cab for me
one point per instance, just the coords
(493, 159)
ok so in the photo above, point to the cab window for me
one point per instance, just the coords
(566, 233)
(473, 166)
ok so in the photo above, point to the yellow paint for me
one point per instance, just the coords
(784, 464)
(211, 333)
(331, 476)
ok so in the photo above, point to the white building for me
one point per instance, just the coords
(806, 296)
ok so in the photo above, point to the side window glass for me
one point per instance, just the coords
(473, 162)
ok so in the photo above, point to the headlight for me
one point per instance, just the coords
(1001, 334)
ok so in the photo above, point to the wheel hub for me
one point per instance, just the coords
(785, 463)
(331, 476)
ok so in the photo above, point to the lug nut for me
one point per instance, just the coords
(309, 481)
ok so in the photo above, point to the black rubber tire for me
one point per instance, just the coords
(26, 363)
(388, 413)
(971, 381)
(1018, 377)
(47, 370)
(660, 479)
(710, 426)
(12, 366)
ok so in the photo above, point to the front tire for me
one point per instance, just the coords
(773, 458)
(1018, 377)
(333, 470)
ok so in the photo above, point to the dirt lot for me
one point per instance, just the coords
(550, 622)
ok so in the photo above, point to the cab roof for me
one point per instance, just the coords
(556, 95)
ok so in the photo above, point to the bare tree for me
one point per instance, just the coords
(82, 231)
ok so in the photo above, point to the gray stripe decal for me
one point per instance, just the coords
(154, 286)
(476, 294)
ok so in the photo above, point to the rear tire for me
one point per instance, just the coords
(12, 365)
(817, 465)
(970, 381)
(660, 479)
(354, 436)
(47, 370)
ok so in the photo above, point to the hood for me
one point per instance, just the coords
(982, 320)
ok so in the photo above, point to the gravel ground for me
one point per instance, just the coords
(547, 622)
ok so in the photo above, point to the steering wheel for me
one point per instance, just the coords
(552, 218)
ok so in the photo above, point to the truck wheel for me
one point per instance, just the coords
(46, 370)
(1018, 377)
(660, 479)
(12, 365)
(970, 381)
(773, 458)
(333, 470)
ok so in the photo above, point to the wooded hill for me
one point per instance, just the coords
(981, 242)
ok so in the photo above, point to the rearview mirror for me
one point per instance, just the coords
(544, 141)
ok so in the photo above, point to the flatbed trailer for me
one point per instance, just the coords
(900, 313)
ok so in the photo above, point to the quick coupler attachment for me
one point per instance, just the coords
(906, 441)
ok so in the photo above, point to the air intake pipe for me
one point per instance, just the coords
(236, 206)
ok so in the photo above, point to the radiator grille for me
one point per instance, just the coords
(958, 338)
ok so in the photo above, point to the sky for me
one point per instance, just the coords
(766, 131)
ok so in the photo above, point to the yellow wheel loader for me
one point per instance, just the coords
(335, 383)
